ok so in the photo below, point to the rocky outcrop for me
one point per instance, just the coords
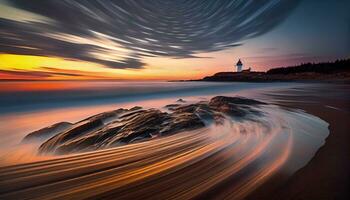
(124, 126)
(47, 132)
(234, 106)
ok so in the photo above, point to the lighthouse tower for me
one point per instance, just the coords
(239, 66)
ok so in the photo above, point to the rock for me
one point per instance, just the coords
(135, 108)
(181, 101)
(46, 133)
(172, 106)
(81, 128)
(182, 122)
(186, 108)
(222, 100)
(124, 126)
(234, 106)
(64, 139)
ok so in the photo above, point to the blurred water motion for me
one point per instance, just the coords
(220, 161)
(228, 160)
(28, 96)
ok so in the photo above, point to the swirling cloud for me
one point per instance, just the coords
(118, 34)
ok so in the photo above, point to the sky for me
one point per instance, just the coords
(165, 39)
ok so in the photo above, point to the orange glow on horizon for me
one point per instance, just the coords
(28, 67)
(25, 67)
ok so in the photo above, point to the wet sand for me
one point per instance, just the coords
(327, 175)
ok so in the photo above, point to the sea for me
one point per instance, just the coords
(247, 152)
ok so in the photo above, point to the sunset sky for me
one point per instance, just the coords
(165, 40)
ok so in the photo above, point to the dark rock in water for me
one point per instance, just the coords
(45, 133)
(180, 122)
(172, 106)
(181, 101)
(186, 108)
(79, 130)
(135, 108)
(222, 100)
(124, 126)
(234, 106)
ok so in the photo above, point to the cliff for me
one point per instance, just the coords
(329, 71)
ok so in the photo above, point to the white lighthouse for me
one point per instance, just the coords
(239, 66)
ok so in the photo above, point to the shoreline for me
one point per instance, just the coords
(326, 175)
(345, 81)
(337, 71)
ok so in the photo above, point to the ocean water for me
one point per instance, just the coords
(237, 156)
(38, 95)
(30, 105)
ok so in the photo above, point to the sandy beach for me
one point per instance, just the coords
(327, 175)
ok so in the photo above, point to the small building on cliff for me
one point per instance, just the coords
(239, 66)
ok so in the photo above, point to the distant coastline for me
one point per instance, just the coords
(338, 71)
